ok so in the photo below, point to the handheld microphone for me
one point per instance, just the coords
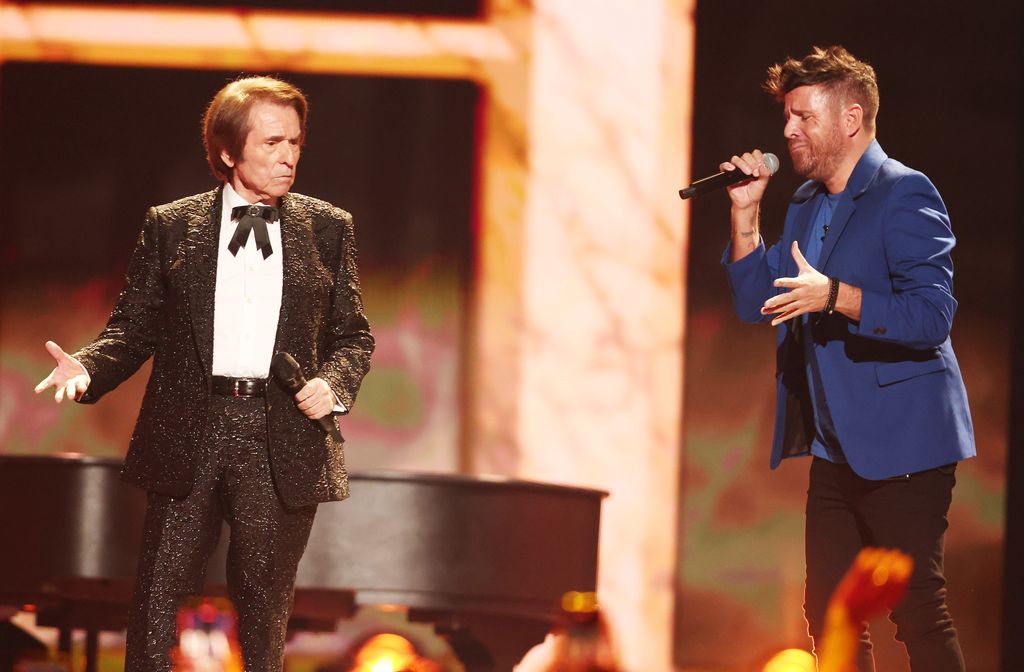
(726, 178)
(288, 373)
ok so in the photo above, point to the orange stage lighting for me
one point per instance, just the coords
(390, 652)
(791, 660)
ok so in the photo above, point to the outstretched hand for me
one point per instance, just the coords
(69, 377)
(808, 292)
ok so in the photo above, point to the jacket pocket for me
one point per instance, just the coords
(895, 372)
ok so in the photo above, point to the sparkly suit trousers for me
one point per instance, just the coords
(232, 483)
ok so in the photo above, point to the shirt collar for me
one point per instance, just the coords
(232, 200)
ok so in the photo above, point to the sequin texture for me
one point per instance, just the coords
(166, 311)
(233, 482)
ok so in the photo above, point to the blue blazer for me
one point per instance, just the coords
(891, 380)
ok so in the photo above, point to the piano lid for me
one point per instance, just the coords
(428, 541)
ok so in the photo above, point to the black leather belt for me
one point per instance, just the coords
(239, 387)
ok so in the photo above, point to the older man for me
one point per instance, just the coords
(860, 288)
(218, 283)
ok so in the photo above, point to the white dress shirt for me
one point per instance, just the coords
(247, 302)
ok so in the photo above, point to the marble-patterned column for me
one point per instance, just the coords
(580, 306)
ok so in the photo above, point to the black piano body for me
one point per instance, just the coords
(484, 559)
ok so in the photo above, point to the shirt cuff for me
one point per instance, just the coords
(339, 408)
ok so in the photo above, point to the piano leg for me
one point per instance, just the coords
(92, 646)
(64, 635)
(92, 650)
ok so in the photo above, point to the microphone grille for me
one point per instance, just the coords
(284, 366)
(771, 162)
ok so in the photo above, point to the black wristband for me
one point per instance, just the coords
(833, 294)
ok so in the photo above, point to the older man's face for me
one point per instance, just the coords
(813, 132)
(266, 169)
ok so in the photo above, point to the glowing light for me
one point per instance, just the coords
(577, 602)
(791, 660)
(386, 652)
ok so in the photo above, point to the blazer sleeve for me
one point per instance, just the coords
(348, 342)
(918, 309)
(130, 335)
(751, 280)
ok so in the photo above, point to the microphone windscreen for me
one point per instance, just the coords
(284, 367)
(771, 162)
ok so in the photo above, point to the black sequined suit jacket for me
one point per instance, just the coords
(166, 311)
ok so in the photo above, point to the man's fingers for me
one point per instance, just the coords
(317, 412)
(745, 164)
(315, 407)
(790, 311)
(308, 403)
(778, 303)
(801, 263)
(45, 382)
(785, 316)
(307, 399)
(79, 387)
(56, 351)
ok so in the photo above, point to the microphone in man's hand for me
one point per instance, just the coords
(289, 374)
(726, 178)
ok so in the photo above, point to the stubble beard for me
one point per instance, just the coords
(818, 162)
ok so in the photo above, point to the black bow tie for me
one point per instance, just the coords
(252, 218)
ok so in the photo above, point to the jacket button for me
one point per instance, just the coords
(879, 330)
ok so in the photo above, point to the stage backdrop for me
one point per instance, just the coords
(98, 145)
(512, 180)
(560, 266)
(949, 75)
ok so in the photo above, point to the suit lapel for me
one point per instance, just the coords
(840, 217)
(298, 250)
(801, 232)
(201, 260)
(861, 178)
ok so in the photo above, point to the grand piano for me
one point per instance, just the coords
(483, 559)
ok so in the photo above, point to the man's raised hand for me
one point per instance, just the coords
(69, 377)
(808, 292)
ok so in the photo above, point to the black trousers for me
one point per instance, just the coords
(845, 513)
(233, 483)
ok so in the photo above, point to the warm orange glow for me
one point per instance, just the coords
(576, 602)
(386, 653)
(791, 660)
(250, 39)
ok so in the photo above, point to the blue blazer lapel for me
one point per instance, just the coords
(861, 178)
(802, 222)
(840, 217)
